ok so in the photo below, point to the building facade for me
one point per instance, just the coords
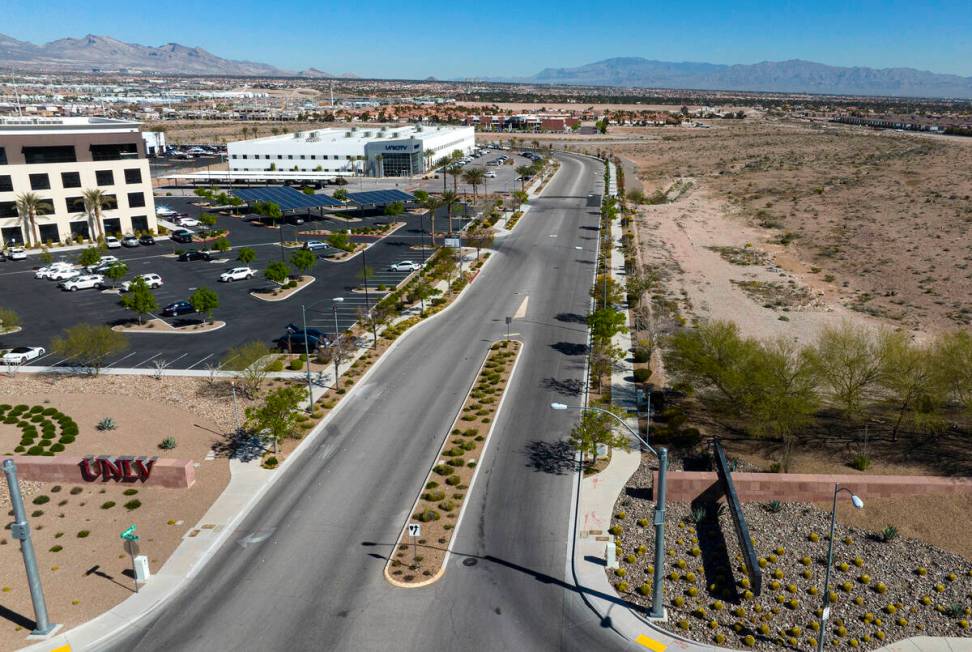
(58, 159)
(372, 151)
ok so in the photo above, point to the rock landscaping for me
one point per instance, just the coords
(445, 490)
(883, 587)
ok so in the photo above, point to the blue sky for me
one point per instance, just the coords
(402, 39)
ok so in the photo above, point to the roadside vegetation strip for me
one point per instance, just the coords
(417, 561)
(162, 327)
(292, 287)
(514, 218)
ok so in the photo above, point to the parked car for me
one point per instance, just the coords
(237, 274)
(181, 235)
(151, 280)
(16, 253)
(63, 274)
(103, 264)
(491, 174)
(164, 211)
(130, 241)
(178, 308)
(293, 339)
(112, 242)
(404, 266)
(22, 354)
(46, 271)
(314, 245)
(82, 282)
(194, 254)
(146, 240)
(186, 221)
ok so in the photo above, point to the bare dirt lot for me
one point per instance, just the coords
(75, 528)
(877, 223)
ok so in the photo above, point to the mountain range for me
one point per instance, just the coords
(93, 52)
(793, 76)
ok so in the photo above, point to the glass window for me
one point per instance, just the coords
(75, 204)
(105, 177)
(114, 152)
(140, 223)
(8, 209)
(53, 154)
(40, 182)
(232, 155)
(244, 156)
(6, 185)
(3, 156)
(111, 201)
(71, 179)
(133, 175)
(136, 199)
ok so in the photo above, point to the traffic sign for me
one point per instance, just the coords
(414, 530)
(129, 534)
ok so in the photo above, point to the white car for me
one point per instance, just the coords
(23, 354)
(165, 211)
(103, 263)
(237, 274)
(405, 266)
(45, 272)
(151, 280)
(16, 253)
(491, 174)
(83, 282)
(63, 274)
(187, 221)
(112, 242)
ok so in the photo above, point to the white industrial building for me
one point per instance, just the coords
(371, 151)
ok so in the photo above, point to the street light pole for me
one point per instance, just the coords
(825, 614)
(334, 303)
(20, 529)
(658, 577)
(310, 385)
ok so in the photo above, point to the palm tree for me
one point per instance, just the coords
(449, 198)
(429, 154)
(474, 177)
(30, 205)
(456, 172)
(524, 171)
(433, 204)
(380, 171)
(95, 200)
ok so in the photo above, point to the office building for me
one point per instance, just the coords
(58, 159)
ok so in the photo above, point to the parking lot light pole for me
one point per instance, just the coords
(310, 385)
(20, 529)
(658, 577)
(334, 304)
(825, 614)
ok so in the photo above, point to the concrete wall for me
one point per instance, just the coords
(167, 473)
(685, 486)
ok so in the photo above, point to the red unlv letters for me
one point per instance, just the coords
(125, 468)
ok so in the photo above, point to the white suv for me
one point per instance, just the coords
(237, 274)
(112, 242)
(63, 274)
(405, 266)
(151, 280)
(83, 282)
(45, 272)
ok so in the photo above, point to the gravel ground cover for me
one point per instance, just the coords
(883, 590)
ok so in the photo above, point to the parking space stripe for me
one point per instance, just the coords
(120, 359)
(200, 361)
(149, 360)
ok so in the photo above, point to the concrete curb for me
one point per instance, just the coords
(284, 298)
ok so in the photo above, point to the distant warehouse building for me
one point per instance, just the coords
(374, 151)
(57, 160)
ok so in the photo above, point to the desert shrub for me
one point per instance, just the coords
(861, 463)
(641, 375)
(296, 364)
(106, 424)
(168, 443)
(108, 504)
(271, 462)
(276, 365)
(83, 534)
(434, 496)
(442, 469)
(453, 480)
(76, 490)
(427, 516)
(40, 500)
(130, 492)
(133, 504)
(889, 534)
(37, 513)
(56, 548)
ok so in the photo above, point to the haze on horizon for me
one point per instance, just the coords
(383, 40)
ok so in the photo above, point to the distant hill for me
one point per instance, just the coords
(105, 53)
(793, 76)
(314, 73)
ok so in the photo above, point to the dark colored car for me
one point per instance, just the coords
(146, 240)
(293, 339)
(178, 308)
(182, 235)
(194, 254)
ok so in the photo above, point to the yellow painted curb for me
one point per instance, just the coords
(650, 643)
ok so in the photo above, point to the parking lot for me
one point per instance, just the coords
(46, 310)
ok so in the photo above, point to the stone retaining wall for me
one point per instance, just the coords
(685, 486)
(167, 473)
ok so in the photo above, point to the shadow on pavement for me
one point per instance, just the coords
(555, 457)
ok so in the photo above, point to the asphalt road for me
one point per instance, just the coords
(46, 310)
(316, 582)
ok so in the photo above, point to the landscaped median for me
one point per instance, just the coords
(157, 325)
(292, 287)
(420, 560)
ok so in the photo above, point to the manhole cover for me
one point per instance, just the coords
(469, 561)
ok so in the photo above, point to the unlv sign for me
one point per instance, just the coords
(124, 468)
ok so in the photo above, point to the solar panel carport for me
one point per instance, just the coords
(379, 197)
(286, 198)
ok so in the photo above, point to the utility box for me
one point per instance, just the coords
(611, 554)
(141, 564)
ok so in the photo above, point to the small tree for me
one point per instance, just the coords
(89, 345)
(204, 301)
(480, 239)
(246, 255)
(521, 197)
(278, 272)
(604, 358)
(46, 258)
(207, 220)
(595, 428)
(303, 260)
(222, 245)
(139, 299)
(277, 417)
(850, 360)
(89, 256)
(341, 195)
(420, 196)
(341, 241)
(9, 320)
(395, 208)
(116, 272)
(605, 323)
(420, 291)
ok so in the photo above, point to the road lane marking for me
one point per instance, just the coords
(650, 643)
(522, 310)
